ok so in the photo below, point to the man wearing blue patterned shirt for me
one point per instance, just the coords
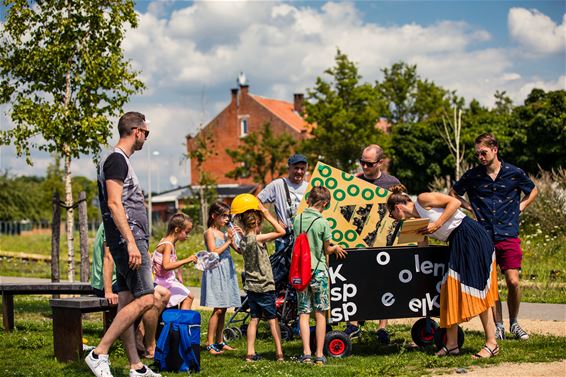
(494, 189)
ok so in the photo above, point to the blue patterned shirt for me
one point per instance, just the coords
(496, 202)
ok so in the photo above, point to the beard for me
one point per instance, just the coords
(138, 145)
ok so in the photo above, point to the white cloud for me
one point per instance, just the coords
(536, 32)
(526, 88)
(511, 76)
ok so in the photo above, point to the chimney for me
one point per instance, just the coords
(234, 92)
(298, 102)
(244, 89)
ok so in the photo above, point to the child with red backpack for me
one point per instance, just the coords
(258, 283)
(316, 296)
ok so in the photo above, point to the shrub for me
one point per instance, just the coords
(547, 214)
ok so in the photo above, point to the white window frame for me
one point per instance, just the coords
(244, 120)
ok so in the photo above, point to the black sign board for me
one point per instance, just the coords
(387, 283)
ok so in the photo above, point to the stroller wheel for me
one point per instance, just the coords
(440, 337)
(423, 332)
(337, 344)
(286, 332)
(230, 334)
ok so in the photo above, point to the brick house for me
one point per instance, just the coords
(246, 113)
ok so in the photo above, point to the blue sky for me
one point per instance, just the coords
(190, 54)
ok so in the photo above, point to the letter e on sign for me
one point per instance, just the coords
(388, 299)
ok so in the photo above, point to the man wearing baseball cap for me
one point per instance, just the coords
(286, 194)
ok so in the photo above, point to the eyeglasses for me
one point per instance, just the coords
(481, 153)
(369, 164)
(145, 131)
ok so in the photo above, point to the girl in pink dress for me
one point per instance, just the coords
(164, 262)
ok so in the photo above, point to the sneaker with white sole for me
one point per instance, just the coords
(148, 373)
(499, 332)
(99, 366)
(519, 332)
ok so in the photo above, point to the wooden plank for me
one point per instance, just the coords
(67, 334)
(47, 288)
(82, 303)
(8, 311)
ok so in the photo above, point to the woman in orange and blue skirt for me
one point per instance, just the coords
(469, 287)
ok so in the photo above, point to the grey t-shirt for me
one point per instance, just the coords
(385, 180)
(274, 192)
(259, 275)
(117, 166)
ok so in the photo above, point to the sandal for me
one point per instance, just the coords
(279, 357)
(252, 358)
(305, 359)
(320, 360)
(448, 352)
(490, 353)
(213, 350)
(225, 347)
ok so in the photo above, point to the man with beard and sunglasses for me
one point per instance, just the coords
(494, 189)
(373, 163)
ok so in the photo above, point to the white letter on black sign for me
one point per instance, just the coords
(336, 274)
(388, 299)
(350, 290)
(405, 276)
(383, 258)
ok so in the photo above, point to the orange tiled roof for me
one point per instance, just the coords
(284, 111)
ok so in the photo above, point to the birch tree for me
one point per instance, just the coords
(63, 74)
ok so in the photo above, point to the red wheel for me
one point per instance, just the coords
(337, 344)
(423, 332)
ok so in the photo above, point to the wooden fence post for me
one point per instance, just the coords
(55, 237)
(83, 236)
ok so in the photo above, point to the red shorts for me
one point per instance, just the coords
(508, 254)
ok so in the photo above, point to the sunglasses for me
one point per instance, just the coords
(145, 132)
(369, 164)
(481, 153)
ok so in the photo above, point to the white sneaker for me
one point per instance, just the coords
(148, 373)
(519, 332)
(100, 367)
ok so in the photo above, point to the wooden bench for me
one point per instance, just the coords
(67, 323)
(9, 290)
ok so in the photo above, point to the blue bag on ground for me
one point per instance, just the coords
(178, 346)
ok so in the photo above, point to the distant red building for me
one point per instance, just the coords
(246, 113)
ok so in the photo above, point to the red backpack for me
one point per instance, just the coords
(300, 272)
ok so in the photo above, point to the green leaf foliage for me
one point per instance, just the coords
(261, 155)
(63, 72)
(344, 112)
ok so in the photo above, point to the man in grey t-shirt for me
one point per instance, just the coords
(286, 204)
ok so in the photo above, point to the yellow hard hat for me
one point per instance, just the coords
(243, 203)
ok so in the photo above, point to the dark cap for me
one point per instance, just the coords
(297, 159)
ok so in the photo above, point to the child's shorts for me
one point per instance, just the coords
(262, 303)
(316, 296)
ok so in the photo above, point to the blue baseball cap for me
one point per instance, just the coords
(297, 159)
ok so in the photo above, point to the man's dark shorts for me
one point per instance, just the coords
(100, 293)
(138, 282)
(262, 303)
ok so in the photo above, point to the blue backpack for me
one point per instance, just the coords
(178, 347)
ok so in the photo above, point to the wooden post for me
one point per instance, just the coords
(83, 236)
(55, 237)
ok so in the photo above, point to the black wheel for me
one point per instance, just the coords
(423, 332)
(286, 332)
(313, 335)
(337, 344)
(440, 337)
(230, 334)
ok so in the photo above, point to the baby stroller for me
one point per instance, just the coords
(285, 301)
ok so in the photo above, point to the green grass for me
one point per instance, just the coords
(29, 352)
(544, 262)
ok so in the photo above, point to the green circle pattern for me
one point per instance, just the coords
(361, 245)
(337, 235)
(347, 177)
(325, 171)
(344, 244)
(350, 235)
(331, 183)
(332, 222)
(367, 194)
(381, 192)
(339, 195)
(314, 181)
(353, 190)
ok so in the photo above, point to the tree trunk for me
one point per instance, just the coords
(55, 237)
(70, 219)
(83, 233)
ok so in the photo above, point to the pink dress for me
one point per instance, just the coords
(167, 279)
